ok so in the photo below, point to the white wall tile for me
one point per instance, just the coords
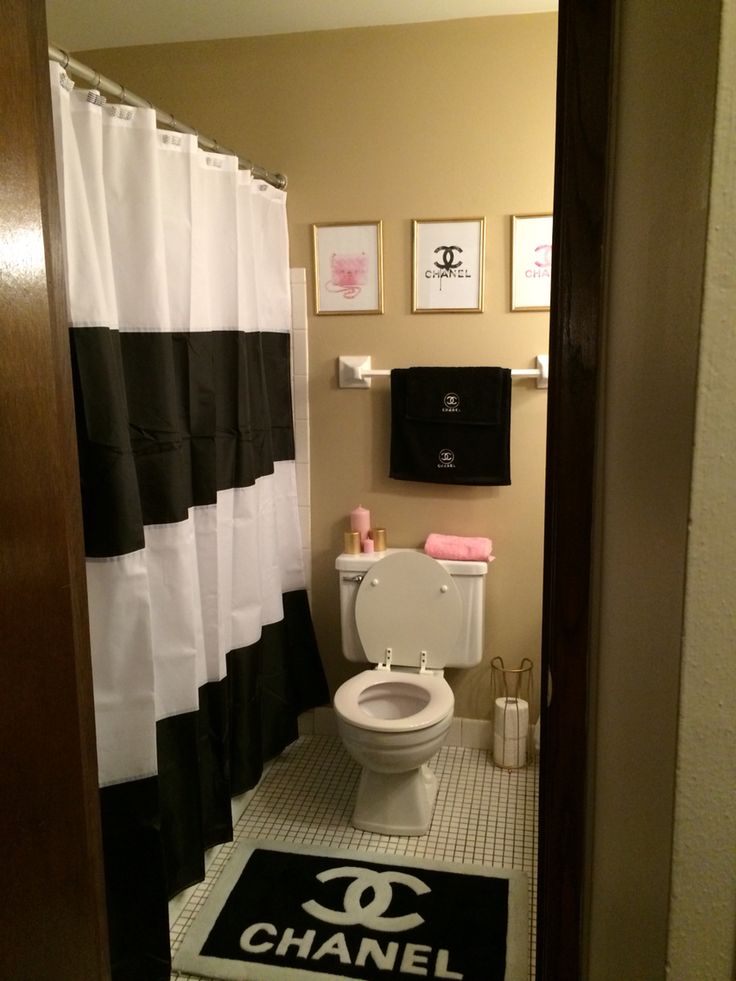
(307, 560)
(455, 733)
(300, 352)
(325, 723)
(301, 440)
(302, 484)
(306, 723)
(477, 733)
(305, 525)
(300, 391)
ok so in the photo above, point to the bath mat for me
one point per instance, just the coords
(282, 913)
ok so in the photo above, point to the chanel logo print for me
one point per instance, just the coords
(449, 265)
(368, 912)
(446, 459)
(451, 402)
(448, 257)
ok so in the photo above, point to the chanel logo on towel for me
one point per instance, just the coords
(379, 886)
(446, 459)
(451, 402)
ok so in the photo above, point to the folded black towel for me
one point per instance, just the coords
(451, 425)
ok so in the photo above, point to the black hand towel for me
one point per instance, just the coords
(451, 425)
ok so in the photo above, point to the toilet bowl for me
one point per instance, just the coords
(393, 719)
(392, 723)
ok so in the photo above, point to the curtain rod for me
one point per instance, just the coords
(118, 91)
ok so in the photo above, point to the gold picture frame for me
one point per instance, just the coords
(531, 262)
(448, 265)
(348, 267)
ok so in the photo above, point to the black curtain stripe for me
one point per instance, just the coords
(166, 420)
(135, 881)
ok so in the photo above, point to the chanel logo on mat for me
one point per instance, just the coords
(446, 459)
(378, 885)
(451, 402)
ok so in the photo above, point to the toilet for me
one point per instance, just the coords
(411, 616)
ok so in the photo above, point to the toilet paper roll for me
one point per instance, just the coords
(509, 753)
(511, 718)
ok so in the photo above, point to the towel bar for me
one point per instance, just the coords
(355, 371)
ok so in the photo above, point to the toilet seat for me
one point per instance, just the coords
(409, 604)
(367, 699)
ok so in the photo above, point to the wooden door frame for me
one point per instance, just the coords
(583, 125)
(583, 90)
(52, 922)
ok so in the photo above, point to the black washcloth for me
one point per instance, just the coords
(451, 425)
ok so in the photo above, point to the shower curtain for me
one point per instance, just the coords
(202, 645)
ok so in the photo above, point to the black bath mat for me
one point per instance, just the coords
(310, 914)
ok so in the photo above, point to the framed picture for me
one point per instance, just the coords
(531, 261)
(348, 267)
(449, 260)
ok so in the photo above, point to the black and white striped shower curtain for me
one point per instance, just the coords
(202, 645)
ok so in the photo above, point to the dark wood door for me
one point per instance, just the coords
(584, 66)
(52, 921)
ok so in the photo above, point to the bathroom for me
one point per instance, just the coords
(366, 429)
(368, 127)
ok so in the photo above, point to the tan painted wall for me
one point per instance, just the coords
(703, 907)
(435, 120)
(658, 216)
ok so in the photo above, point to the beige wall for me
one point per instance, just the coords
(658, 212)
(703, 908)
(435, 120)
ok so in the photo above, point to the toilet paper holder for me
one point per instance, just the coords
(512, 691)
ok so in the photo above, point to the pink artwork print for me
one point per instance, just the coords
(348, 274)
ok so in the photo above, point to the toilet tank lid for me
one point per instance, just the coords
(362, 562)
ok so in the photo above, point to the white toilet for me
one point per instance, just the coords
(411, 616)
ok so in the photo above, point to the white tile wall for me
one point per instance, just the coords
(300, 395)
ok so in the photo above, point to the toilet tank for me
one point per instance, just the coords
(469, 577)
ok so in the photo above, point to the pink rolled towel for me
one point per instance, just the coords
(457, 547)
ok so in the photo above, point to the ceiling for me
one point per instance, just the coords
(78, 25)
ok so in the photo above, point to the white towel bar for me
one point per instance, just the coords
(355, 371)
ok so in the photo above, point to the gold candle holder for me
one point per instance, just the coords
(379, 539)
(352, 542)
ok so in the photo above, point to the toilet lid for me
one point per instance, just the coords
(409, 603)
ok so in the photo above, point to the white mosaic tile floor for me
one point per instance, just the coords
(483, 816)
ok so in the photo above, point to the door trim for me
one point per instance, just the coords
(584, 74)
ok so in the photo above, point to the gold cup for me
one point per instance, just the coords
(352, 542)
(379, 539)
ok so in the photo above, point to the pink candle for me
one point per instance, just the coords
(368, 545)
(360, 521)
